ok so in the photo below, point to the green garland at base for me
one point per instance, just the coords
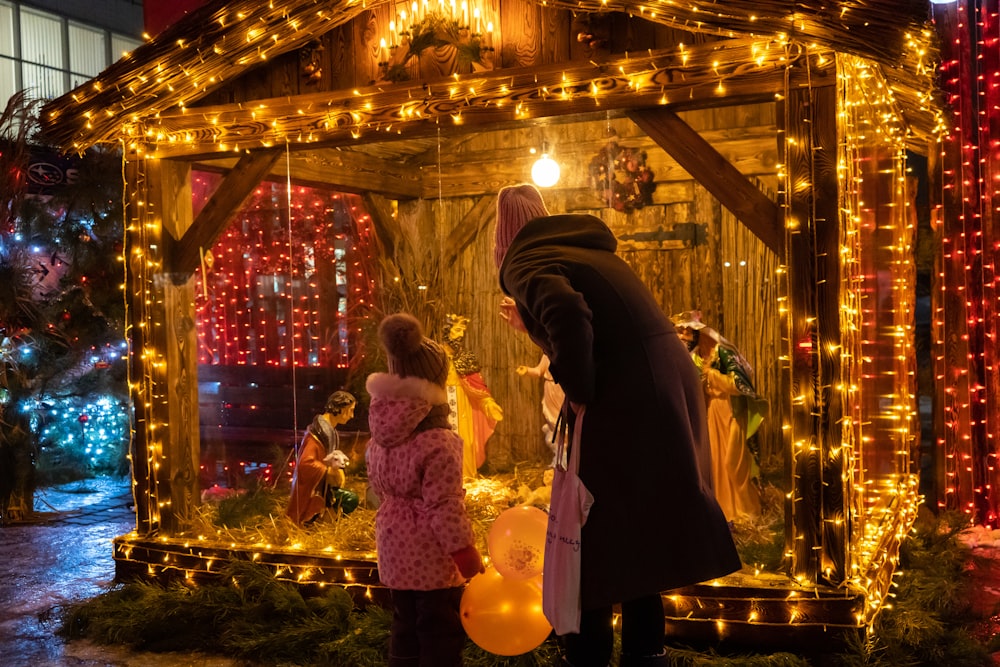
(248, 614)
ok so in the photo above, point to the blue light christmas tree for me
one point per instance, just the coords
(64, 409)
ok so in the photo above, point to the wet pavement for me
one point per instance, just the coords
(62, 556)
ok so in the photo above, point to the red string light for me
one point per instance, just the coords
(276, 291)
(970, 72)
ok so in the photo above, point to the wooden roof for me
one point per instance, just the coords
(164, 77)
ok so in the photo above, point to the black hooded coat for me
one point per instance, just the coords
(654, 524)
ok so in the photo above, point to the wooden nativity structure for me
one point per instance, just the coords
(750, 156)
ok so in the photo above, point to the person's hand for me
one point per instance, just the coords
(469, 562)
(533, 371)
(508, 311)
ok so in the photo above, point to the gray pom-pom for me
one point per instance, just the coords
(401, 334)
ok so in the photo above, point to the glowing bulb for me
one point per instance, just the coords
(545, 171)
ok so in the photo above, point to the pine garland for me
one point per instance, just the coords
(679, 657)
(250, 614)
(932, 620)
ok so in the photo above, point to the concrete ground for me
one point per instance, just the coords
(985, 573)
(62, 556)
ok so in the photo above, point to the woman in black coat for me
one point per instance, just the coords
(654, 524)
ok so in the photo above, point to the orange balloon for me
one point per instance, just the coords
(517, 541)
(504, 616)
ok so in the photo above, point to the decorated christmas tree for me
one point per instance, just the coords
(64, 408)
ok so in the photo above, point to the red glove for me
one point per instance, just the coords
(469, 562)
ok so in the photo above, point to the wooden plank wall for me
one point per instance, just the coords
(444, 241)
(740, 301)
(481, 163)
(525, 35)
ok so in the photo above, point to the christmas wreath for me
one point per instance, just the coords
(620, 177)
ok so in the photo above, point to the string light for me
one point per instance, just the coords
(152, 110)
(966, 307)
(175, 66)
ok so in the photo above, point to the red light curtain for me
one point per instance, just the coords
(286, 281)
(968, 384)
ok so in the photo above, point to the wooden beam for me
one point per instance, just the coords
(232, 192)
(700, 159)
(677, 78)
(398, 171)
(753, 152)
(475, 221)
(385, 225)
(150, 80)
(345, 171)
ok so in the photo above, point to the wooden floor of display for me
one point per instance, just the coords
(769, 611)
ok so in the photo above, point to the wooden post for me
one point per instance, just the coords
(165, 447)
(809, 145)
(136, 262)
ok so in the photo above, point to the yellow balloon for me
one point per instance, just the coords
(517, 541)
(504, 616)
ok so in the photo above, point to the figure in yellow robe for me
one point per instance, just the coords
(474, 414)
(733, 411)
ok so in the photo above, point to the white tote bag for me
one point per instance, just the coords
(568, 512)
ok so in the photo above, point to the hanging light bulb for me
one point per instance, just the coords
(545, 171)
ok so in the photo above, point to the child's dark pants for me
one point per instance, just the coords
(427, 628)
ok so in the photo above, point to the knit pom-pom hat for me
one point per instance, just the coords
(516, 205)
(410, 353)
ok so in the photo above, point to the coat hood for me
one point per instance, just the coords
(567, 230)
(398, 405)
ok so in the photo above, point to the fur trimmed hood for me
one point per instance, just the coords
(398, 405)
(387, 384)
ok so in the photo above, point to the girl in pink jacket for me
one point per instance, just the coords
(426, 548)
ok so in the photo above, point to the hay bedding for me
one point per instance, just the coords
(256, 516)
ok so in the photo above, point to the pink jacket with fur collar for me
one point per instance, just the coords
(417, 476)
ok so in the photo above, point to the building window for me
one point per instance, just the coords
(9, 80)
(88, 53)
(46, 55)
